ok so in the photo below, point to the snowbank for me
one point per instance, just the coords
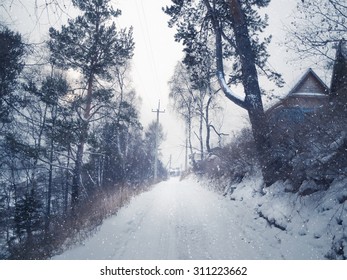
(300, 226)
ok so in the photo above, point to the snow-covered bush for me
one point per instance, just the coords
(313, 149)
(233, 161)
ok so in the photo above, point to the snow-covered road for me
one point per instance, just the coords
(183, 220)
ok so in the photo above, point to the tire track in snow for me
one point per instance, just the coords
(174, 220)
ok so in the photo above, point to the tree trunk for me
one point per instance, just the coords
(76, 180)
(189, 123)
(208, 127)
(253, 100)
(50, 174)
(201, 139)
(49, 189)
(66, 183)
(119, 148)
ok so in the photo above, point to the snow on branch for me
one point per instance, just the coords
(219, 59)
(228, 92)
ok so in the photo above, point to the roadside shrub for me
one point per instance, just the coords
(233, 161)
(314, 149)
(66, 231)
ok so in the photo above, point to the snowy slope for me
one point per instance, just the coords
(184, 220)
(295, 226)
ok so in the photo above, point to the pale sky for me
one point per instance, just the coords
(156, 54)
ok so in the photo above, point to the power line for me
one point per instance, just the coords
(148, 44)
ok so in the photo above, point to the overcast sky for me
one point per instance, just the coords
(156, 54)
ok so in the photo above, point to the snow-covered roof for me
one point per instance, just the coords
(309, 74)
(309, 94)
(309, 85)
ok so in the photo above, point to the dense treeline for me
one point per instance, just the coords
(72, 148)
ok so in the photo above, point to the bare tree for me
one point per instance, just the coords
(182, 96)
(316, 30)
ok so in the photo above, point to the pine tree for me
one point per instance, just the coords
(28, 216)
(91, 45)
(12, 51)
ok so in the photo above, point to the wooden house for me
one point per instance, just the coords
(307, 96)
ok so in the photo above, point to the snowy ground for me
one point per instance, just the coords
(185, 220)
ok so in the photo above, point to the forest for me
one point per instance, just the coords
(72, 148)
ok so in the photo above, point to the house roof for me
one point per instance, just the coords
(309, 85)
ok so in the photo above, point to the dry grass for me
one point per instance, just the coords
(72, 229)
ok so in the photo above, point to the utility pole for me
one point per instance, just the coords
(157, 141)
(186, 151)
(170, 162)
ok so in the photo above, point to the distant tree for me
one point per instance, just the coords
(235, 27)
(139, 163)
(316, 30)
(150, 146)
(92, 45)
(201, 68)
(109, 145)
(126, 114)
(12, 52)
(192, 93)
(182, 97)
(113, 135)
(38, 10)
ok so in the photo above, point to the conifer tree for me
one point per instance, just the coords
(92, 45)
(11, 64)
